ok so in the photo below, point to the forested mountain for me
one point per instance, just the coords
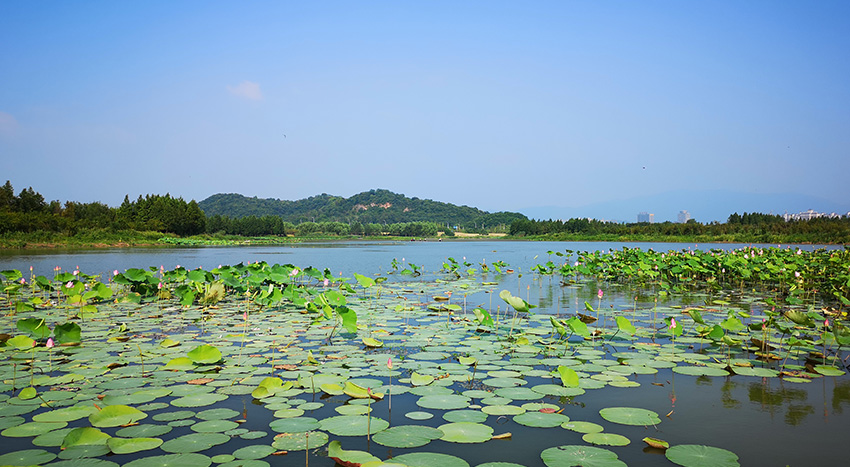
(370, 207)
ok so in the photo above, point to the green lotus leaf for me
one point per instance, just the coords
(32, 429)
(606, 439)
(195, 442)
(168, 343)
(503, 410)
(443, 402)
(131, 445)
(420, 380)
(204, 355)
(474, 416)
(371, 342)
(34, 327)
(84, 436)
(583, 456)
(569, 377)
(198, 400)
(258, 451)
(116, 415)
(143, 431)
(21, 343)
(180, 363)
(353, 425)
(630, 416)
(26, 457)
(582, 427)
(27, 393)
(172, 460)
(300, 441)
(407, 436)
(541, 419)
(350, 458)
(294, 425)
(429, 459)
(694, 455)
(466, 432)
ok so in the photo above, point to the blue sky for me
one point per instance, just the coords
(499, 105)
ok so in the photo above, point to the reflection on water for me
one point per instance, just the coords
(840, 396)
(776, 398)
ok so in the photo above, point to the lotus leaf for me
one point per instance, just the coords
(582, 456)
(407, 436)
(131, 445)
(694, 455)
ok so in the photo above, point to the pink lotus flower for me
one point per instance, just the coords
(672, 323)
(23, 281)
(50, 343)
(245, 315)
(159, 286)
(796, 273)
(76, 271)
(69, 284)
(115, 272)
(599, 294)
(326, 282)
(390, 363)
(826, 323)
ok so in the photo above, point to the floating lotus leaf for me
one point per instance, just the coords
(474, 416)
(429, 459)
(606, 439)
(257, 451)
(443, 402)
(300, 441)
(143, 431)
(84, 436)
(419, 415)
(828, 370)
(541, 419)
(221, 413)
(421, 380)
(333, 389)
(694, 455)
(582, 456)
(656, 443)
(359, 392)
(32, 429)
(353, 425)
(350, 458)
(371, 342)
(630, 416)
(172, 460)
(168, 343)
(195, 442)
(503, 410)
(499, 464)
(288, 413)
(131, 445)
(294, 425)
(522, 394)
(171, 416)
(700, 371)
(27, 457)
(204, 355)
(582, 427)
(84, 451)
(180, 363)
(466, 432)
(407, 436)
(198, 400)
(504, 382)
(27, 393)
(214, 426)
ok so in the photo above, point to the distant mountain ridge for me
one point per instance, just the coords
(369, 207)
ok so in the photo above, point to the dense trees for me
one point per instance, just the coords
(370, 207)
(748, 227)
(28, 212)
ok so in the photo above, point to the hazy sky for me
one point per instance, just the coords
(499, 105)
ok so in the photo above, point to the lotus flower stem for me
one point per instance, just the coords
(142, 358)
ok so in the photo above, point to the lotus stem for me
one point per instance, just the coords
(142, 358)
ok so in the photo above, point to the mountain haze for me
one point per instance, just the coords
(369, 207)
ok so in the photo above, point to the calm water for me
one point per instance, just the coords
(344, 257)
(764, 420)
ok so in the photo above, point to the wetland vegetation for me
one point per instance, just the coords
(605, 358)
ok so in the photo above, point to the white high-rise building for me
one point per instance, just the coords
(684, 217)
(646, 217)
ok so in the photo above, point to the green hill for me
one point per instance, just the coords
(369, 207)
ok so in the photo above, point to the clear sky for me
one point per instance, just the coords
(498, 105)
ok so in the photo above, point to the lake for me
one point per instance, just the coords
(765, 420)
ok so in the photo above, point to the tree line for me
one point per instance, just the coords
(29, 212)
(746, 227)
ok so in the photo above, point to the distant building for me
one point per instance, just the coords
(807, 215)
(684, 217)
(647, 217)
